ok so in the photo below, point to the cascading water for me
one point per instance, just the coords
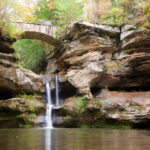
(49, 103)
(49, 107)
(57, 89)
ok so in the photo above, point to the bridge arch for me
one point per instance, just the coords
(45, 33)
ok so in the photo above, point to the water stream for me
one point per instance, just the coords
(49, 107)
(57, 89)
(49, 104)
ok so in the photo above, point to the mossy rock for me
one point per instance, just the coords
(22, 105)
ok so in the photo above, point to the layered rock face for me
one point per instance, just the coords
(99, 56)
(117, 59)
(17, 88)
(14, 78)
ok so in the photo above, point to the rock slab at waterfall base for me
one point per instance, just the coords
(109, 108)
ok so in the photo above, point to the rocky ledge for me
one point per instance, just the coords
(13, 78)
(24, 111)
(110, 64)
(20, 89)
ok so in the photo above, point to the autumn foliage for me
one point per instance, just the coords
(118, 11)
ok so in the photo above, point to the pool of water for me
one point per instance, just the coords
(74, 139)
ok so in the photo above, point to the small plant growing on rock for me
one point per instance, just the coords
(81, 104)
(24, 95)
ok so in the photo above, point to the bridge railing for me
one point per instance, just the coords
(36, 27)
(31, 23)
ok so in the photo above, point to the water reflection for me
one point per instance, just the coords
(74, 139)
(48, 139)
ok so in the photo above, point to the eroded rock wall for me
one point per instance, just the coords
(104, 56)
(98, 58)
(18, 87)
(14, 77)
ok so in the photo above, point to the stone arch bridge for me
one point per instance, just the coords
(41, 32)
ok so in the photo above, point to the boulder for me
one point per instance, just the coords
(19, 79)
(23, 105)
(52, 66)
(85, 78)
(127, 106)
(24, 111)
(101, 29)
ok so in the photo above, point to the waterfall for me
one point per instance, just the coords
(49, 103)
(49, 107)
(57, 89)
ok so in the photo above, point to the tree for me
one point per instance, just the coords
(32, 54)
(60, 12)
(24, 11)
(13, 11)
(45, 10)
(95, 9)
(67, 12)
(6, 9)
(143, 14)
(118, 11)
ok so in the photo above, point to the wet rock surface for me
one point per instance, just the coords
(109, 108)
(22, 112)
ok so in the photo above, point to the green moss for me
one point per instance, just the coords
(20, 120)
(85, 126)
(120, 66)
(136, 107)
(29, 106)
(4, 116)
(26, 120)
(116, 126)
(79, 107)
(87, 113)
(25, 125)
(97, 102)
(81, 104)
(32, 115)
(14, 105)
(107, 126)
(122, 90)
(24, 95)
(26, 115)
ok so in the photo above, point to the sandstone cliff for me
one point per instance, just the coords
(18, 87)
(109, 63)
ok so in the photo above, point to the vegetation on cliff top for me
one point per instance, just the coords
(62, 13)
(96, 11)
